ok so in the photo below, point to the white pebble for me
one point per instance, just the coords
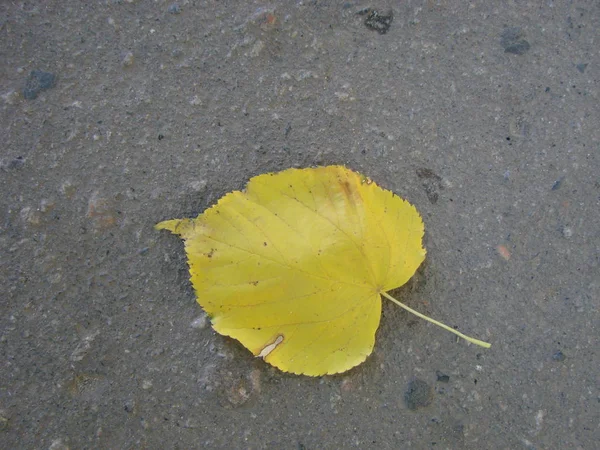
(199, 322)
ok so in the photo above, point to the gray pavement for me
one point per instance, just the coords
(118, 114)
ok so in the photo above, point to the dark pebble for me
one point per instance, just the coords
(581, 67)
(15, 163)
(418, 394)
(377, 20)
(513, 41)
(558, 356)
(129, 406)
(36, 82)
(557, 183)
(442, 377)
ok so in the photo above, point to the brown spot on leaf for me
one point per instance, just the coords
(351, 193)
(347, 188)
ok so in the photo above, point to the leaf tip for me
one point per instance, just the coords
(176, 226)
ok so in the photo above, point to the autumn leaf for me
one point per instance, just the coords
(294, 267)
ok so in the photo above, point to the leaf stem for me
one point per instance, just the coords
(439, 324)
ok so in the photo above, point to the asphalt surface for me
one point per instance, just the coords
(118, 114)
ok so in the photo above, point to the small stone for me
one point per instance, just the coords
(418, 394)
(539, 420)
(377, 20)
(11, 97)
(442, 377)
(558, 356)
(146, 384)
(581, 67)
(36, 82)
(556, 185)
(503, 252)
(128, 60)
(129, 405)
(58, 444)
(264, 17)
(198, 185)
(303, 74)
(199, 322)
(15, 163)
(174, 8)
(513, 41)
(195, 100)
(83, 347)
(257, 48)
(567, 232)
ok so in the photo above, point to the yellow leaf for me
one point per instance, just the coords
(294, 267)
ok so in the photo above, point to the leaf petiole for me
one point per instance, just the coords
(439, 324)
